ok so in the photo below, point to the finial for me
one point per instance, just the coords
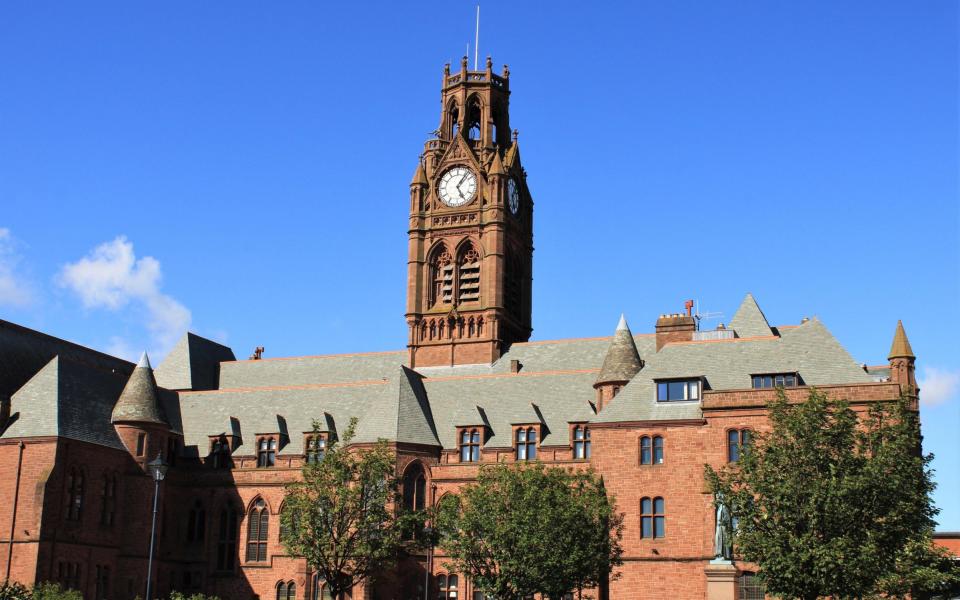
(506, 72)
(257, 353)
(489, 63)
(463, 62)
(144, 362)
(446, 69)
(623, 323)
(516, 134)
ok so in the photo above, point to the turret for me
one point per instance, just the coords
(138, 417)
(620, 365)
(902, 362)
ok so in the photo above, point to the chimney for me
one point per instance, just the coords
(676, 327)
(514, 366)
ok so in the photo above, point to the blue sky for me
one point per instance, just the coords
(241, 169)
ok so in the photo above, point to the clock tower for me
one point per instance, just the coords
(469, 269)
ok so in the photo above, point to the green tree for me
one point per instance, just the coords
(526, 529)
(53, 591)
(832, 505)
(345, 517)
(13, 591)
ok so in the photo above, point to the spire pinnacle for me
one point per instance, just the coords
(419, 176)
(901, 345)
(622, 325)
(144, 362)
(496, 165)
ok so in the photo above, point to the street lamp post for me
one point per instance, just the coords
(158, 470)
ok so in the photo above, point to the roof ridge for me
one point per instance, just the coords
(303, 386)
(305, 356)
(520, 374)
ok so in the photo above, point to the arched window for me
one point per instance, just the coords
(108, 500)
(527, 443)
(196, 523)
(581, 442)
(453, 114)
(474, 120)
(227, 539)
(470, 445)
(447, 586)
(646, 455)
(74, 494)
(441, 278)
(652, 518)
(414, 488)
(468, 274)
(286, 591)
(657, 450)
(737, 440)
(320, 589)
(267, 452)
(257, 529)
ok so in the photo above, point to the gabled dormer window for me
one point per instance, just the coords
(315, 447)
(470, 439)
(267, 451)
(678, 390)
(525, 442)
(770, 380)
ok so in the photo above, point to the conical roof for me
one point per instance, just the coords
(139, 402)
(901, 345)
(622, 361)
(419, 176)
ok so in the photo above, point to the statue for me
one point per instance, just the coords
(722, 543)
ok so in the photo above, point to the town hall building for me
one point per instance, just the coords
(645, 410)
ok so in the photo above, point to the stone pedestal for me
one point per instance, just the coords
(721, 580)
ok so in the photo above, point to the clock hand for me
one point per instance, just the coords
(461, 182)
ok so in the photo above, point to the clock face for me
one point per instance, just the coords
(513, 196)
(457, 187)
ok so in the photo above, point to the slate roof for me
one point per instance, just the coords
(193, 364)
(749, 321)
(554, 386)
(809, 350)
(622, 361)
(139, 401)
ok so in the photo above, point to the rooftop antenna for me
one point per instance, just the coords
(700, 316)
(476, 41)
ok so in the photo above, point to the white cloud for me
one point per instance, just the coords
(15, 291)
(938, 385)
(112, 277)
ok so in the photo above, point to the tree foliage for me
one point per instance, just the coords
(344, 517)
(41, 591)
(526, 529)
(832, 505)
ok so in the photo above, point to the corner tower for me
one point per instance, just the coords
(469, 268)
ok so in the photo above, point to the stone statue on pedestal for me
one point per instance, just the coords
(722, 537)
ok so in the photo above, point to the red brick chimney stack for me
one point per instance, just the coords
(677, 327)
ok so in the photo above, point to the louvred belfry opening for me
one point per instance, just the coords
(470, 230)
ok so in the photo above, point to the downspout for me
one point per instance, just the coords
(13, 517)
